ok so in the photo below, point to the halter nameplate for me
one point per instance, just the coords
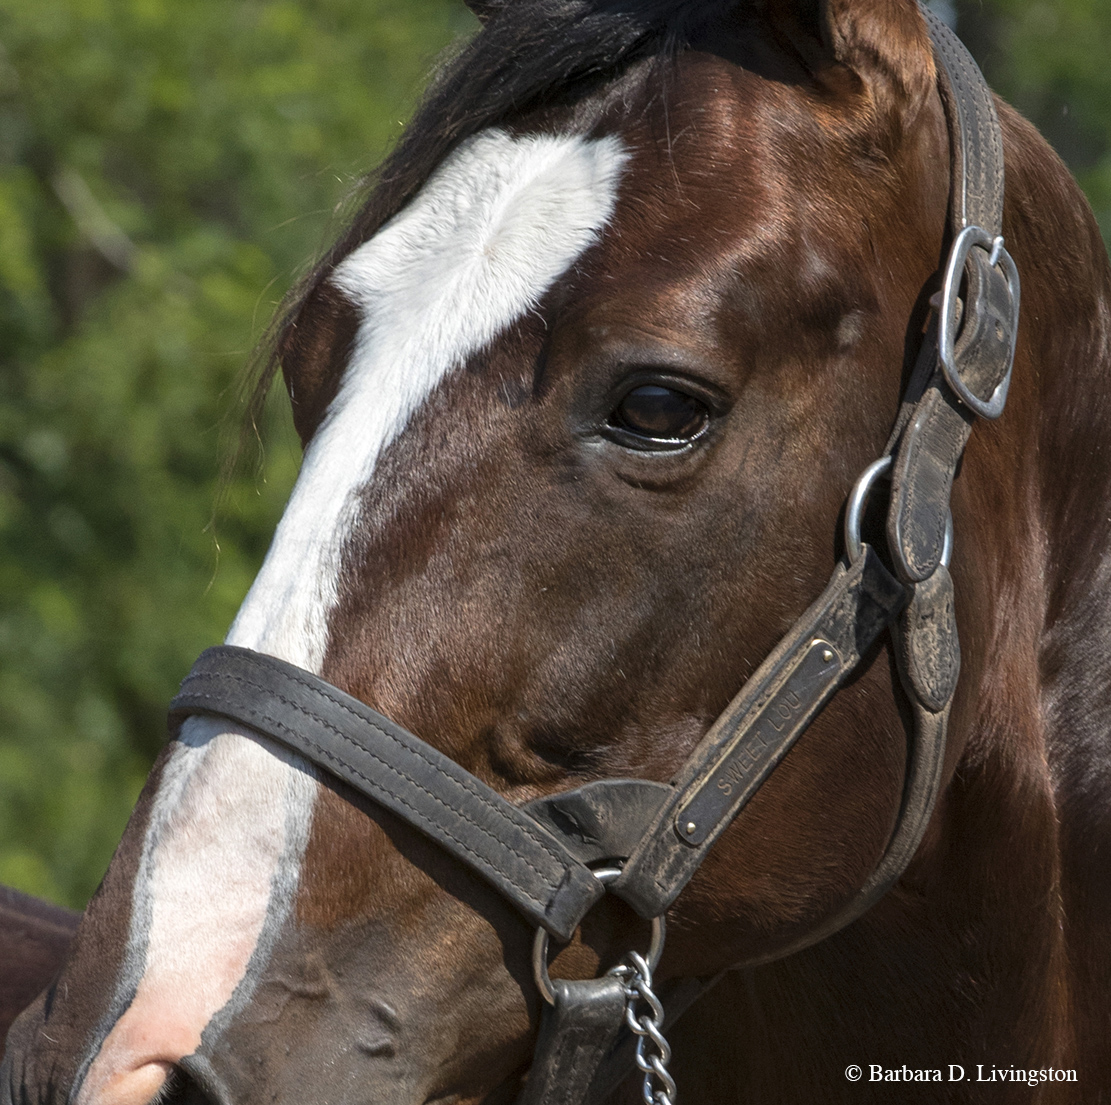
(754, 753)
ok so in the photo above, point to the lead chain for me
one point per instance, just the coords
(659, 1086)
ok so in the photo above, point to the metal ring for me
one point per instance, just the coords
(855, 508)
(963, 245)
(854, 511)
(604, 875)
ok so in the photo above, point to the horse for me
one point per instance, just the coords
(583, 391)
(34, 938)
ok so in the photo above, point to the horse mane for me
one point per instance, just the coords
(528, 53)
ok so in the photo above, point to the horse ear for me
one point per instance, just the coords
(885, 43)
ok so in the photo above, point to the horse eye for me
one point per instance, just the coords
(660, 414)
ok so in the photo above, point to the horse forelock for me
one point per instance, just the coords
(535, 58)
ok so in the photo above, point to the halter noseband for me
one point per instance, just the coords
(653, 836)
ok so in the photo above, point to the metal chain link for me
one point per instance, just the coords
(636, 974)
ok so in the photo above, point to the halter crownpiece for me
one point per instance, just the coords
(652, 836)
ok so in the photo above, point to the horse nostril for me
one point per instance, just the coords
(376, 1045)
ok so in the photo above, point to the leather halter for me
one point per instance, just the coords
(540, 856)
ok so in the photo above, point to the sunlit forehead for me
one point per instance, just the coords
(496, 225)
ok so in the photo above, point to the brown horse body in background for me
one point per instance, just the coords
(570, 553)
(34, 938)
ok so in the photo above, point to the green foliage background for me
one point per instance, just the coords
(165, 167)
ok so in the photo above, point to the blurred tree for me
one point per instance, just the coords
(164, 168)
(1049, 59)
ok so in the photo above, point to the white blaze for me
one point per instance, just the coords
(491, 231)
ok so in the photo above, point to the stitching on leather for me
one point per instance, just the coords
(377, 787)
(463, 781)
(909, 489)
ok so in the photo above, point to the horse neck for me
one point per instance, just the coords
(1065, 432)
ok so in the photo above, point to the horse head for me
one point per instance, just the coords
(582, 393)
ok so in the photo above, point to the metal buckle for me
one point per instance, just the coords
(965, 242)
(858, 498)
(604, 875)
